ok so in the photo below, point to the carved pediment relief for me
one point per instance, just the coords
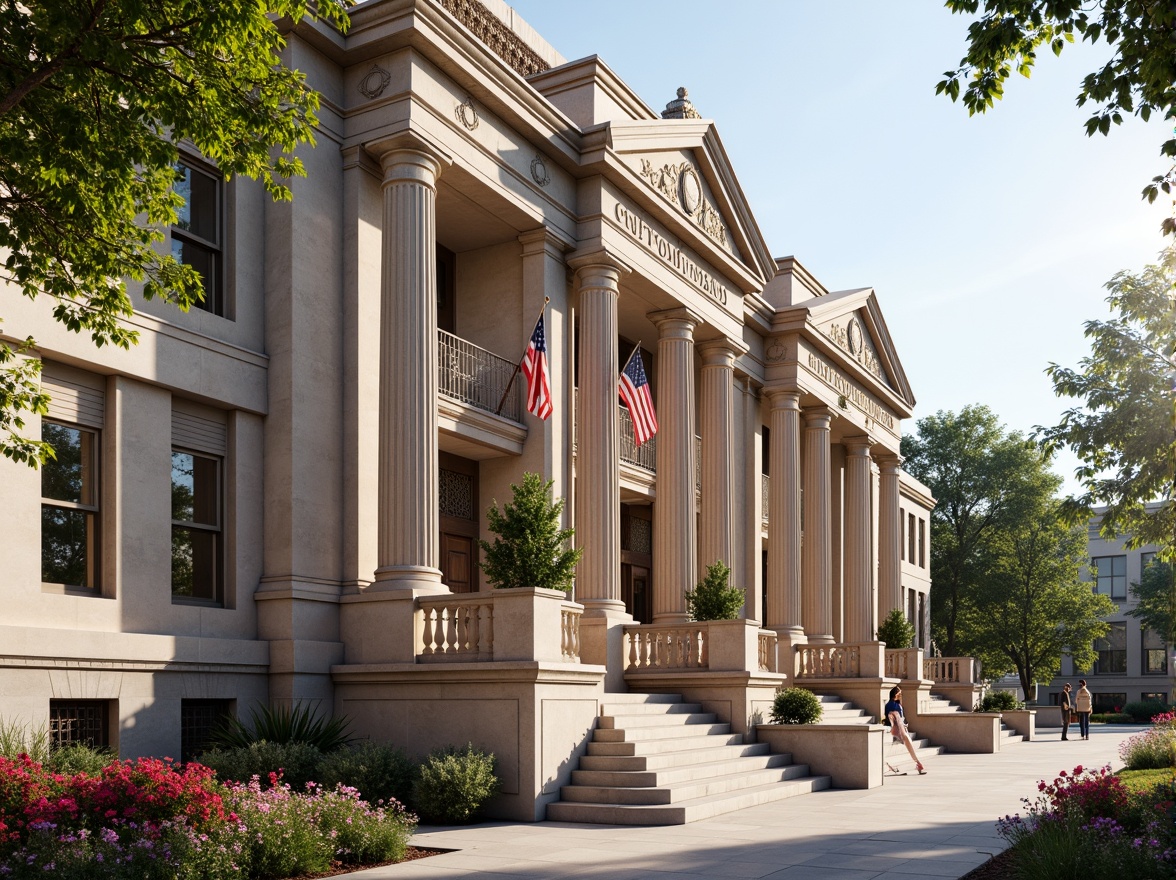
(680, 184)
(851, 334)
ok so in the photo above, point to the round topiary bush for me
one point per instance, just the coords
(1000, 701)
(453, 784)
(796, 706)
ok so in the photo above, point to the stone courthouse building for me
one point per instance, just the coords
(277, 497)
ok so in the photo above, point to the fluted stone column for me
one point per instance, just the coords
(889, 536)
(675, 543)
(717, 526)
(859, 569)
(785, 613)
(598, 474)
(408, 513)
(816, 552)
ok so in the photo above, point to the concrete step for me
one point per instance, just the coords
(635, 734)
(681, 791)
(609, 706)
(665, 760)
(625, 722)
(687, 773)
(660, 746)
(686, 811)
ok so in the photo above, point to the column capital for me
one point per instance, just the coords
(669, 320)
(888, 462)
(814, 415)
(545, 240)
(721, 352)
(783, 398)
(409, 156)
(859, 445)
(599, 261)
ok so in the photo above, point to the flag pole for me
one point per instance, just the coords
(636, 348)
(519, 362)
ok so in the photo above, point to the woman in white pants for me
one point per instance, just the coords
(898, 728)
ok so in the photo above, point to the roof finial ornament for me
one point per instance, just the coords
(681, 108)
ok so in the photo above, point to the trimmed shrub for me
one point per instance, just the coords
(380, 772)
(1143, 711)
(896, 631)
(295, 763)
(454, 784)
(796, 706)
(712, 599)
(530, 549)
(1000, 701)
(1111, 718)
(78, 758)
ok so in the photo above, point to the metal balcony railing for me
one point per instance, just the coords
(644, 456)
(469, 373)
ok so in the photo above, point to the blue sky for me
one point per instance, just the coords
(988, 239)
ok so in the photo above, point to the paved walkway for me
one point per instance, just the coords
(936, 826)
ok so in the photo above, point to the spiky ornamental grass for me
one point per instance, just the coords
(530, 550)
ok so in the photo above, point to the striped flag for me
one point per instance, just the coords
(538, 376)
(634, 388)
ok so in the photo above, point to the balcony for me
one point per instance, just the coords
(474, 376)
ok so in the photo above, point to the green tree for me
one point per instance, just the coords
(1122, 431)
(713, 599)
(94, 99)
(985, 481)
(1034, 609)
(1139, 78)
(896, 631)
(1156, 594)
(531, 550)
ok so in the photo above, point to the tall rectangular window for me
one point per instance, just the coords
(197, 554)
(197, 236)
(1146, 559)
(1112, 651)
(922, 543)
(69, 507)
(911, 538)
(1155, 653)
(1110, 576)
(199, 719)
(902, 534)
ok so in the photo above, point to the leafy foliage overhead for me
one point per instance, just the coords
(95, 99)
(1156, 595)
(1139, 78)
(1122, 430)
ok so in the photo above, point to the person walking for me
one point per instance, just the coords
(898, 728)
(1083, 705)
(1067, 704)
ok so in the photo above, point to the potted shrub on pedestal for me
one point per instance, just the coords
(530, 549)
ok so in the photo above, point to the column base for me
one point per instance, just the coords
(423, 579)
(602, 631)
(670, 619)
(820, 640)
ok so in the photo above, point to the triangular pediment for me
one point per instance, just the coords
(852, 321)
(684, 163)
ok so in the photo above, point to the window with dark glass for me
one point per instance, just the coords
(1155, 653)
(69, 507)
(1110, 576)
(79, 722)
(1107, 702)
(197, 237)
(1112, 651)
(199, 719)
(196, 527)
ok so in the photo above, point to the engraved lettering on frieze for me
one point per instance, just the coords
(539, 171)
(844, 387)
(467, 113)
(374, 83)
(671, 254)
(679, 184)
(851, 339)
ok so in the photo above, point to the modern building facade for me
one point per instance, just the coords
(277, 497)
(1133, 662)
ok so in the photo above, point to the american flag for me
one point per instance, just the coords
(538, 376)
(634, 388)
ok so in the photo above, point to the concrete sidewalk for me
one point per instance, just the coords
(938, 825)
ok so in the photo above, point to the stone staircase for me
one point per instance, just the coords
(839, 711)
(942, 705)
(656, 760)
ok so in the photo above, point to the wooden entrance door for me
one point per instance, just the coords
(457, 562)
(459, 523)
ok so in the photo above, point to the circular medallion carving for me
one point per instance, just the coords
(374, 83)
(776, 352)
(854, 336)
(689, 189)
(539, 171)
(467, 113)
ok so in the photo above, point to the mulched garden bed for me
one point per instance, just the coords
(1002, 866)
(412, 854)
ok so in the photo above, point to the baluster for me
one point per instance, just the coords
(427, 632)
(632, 639)
(450, 629)
(704, 648)
(645, 647)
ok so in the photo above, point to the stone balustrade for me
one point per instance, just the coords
(949, 670)
(767, 651)
(666, 646)
(904, 663)
(498, 625)
(828, 661)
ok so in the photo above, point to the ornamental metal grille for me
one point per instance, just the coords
(198, 720)
(78, 722)
(456, 492)
(641, 536)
